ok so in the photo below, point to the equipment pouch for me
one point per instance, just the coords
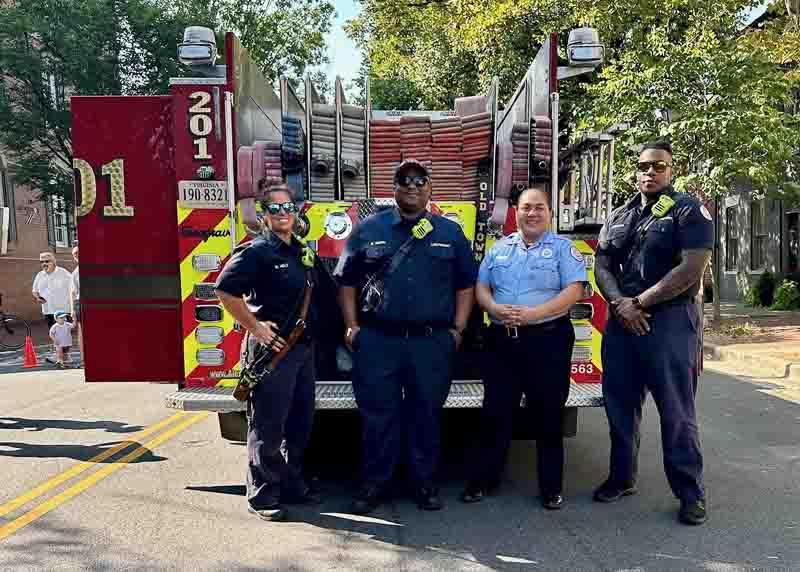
(663, 206)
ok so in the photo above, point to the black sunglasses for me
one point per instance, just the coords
(45, 261)
(275, 208)
(658, 166)
(419, 181)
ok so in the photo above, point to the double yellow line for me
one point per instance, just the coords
(76, 489)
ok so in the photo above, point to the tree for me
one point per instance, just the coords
(53, 49)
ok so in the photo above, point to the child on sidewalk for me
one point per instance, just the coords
(61, 334)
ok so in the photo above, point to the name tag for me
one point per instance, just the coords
(376, 242)
(441, 244)
(284, 265)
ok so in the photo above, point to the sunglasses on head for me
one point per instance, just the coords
(419, 181)
(275, 208)
(658, 166)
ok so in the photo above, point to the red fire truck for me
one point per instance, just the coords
(166, 188)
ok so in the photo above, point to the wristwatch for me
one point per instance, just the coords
(637, 303)
(459, 331)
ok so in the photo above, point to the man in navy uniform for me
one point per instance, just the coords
(650, 261)
(405, 339)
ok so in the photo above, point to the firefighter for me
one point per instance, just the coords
(407, 286)
(527, 283)
(650, 261)
(262, 286)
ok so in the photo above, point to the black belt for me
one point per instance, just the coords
(404, 330)
(516, 332)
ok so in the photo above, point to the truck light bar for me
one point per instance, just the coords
(209, 335)
(205, 291)
(581, 354)
(210, 356)
(581, 312)
(208, 313)
(206, 262)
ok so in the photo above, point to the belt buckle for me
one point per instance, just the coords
(512, 332)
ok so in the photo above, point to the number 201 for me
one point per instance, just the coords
(200, 123)
(115, 171)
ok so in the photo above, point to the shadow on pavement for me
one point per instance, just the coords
(23, 424)
(76, 452)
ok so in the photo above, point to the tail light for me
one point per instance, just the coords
(581, 354)
(205, 291)
(209, 335)
(206, 262)
(208, 313)
(581, 312)
(211, 356)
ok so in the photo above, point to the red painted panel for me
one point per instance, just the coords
(125, 340)
(131, 343)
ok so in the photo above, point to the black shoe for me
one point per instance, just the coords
(693, 513)
(472, 493)
(552, 502)
(428, 499)
(610, 492)
(275, 513)
(309, 496)
(366, 501)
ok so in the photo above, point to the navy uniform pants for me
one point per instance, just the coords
(281, 406)
(663, 362)
(400, 384)
(538, 365)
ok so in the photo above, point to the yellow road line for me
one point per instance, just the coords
(39, 490)
(76, 489)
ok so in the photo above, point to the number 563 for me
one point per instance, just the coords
(582, 368)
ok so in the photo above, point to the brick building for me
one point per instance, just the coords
(30, 226)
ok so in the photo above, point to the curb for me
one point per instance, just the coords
(779, 367)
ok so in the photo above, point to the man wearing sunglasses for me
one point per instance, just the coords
(263, 286)
(404, 345)
(650, 261)
(51, 288)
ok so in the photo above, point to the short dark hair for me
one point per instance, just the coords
(658, 145)
(518, 191)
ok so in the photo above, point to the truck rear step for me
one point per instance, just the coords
(339, 395)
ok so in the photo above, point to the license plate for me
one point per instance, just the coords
(203, 194)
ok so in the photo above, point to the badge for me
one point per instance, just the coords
(547, 253)
(576, 255)
(704, 212)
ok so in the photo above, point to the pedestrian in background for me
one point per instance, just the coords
(650, 261)
(75, 299)
(51, 288)
(527, 283)
(61, 336)
(407, 288)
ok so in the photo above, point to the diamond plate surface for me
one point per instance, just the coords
(339, 395)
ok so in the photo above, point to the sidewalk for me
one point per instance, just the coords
(11, 361)
(764, 338)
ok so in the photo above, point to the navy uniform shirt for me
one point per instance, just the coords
(422, 289)
(271, 277)
(531, 275)
(645, 248)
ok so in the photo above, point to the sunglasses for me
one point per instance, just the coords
(45, 262)
(275, 208)
(658, 166)
(418, 181)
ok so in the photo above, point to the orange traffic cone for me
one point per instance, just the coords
(30, 354)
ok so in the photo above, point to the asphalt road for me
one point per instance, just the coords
(177, 503)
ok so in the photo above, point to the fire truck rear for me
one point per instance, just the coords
(167, 187)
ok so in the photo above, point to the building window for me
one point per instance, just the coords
(7, 200)
(758, 235)
(59, 231)
(731, 239)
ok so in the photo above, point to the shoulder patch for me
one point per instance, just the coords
(576, 254)
(704, 212)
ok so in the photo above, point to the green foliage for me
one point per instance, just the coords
(751, 298)
(53, 49)
(725, 93)
(762, 292)
(787, 296)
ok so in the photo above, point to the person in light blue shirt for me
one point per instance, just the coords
(526, 284)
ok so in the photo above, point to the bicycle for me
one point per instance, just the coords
(13, 330)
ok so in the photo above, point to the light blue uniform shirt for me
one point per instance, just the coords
(531, 275)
